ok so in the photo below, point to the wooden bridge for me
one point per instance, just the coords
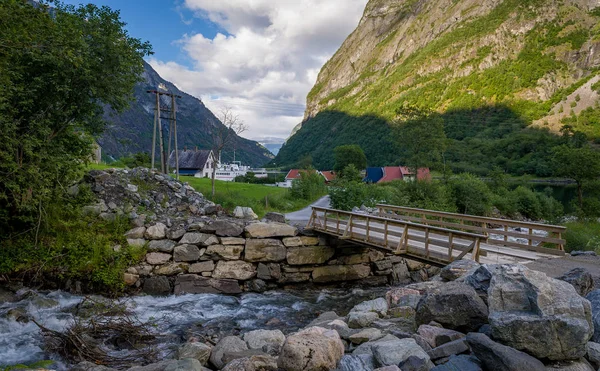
(439, 238)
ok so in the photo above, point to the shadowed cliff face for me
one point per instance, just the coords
(530, 56)
(131, 131)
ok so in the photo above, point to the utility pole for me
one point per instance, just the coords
(172, 118)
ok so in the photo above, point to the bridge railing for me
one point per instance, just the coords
(425, 242)
(500, 232)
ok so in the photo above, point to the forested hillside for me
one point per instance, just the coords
(504, 76)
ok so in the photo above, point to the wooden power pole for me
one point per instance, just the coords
(172, 118)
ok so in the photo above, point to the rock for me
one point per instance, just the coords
(457, 269)
(365, 335)
(187, 253)
(400, 273)
(392, 352)
(361, 319)
(359, 362)
(414, 265)
(294, 277)
(264, 250)
(579, 365)
(269, 341)
(580, 279)
(401, 297)
(314, 348)
(226, 344)
(253, 363)
(225, 228)
(196, 238)
(275, 217)
(136, 232)
(455, 305)
(232, 241)
(446, 350)
(206, 266)
(378, 306)
(300, 241)
(542, 316)
(495, 356)
(388, 368)
(333, 273)
(175, 233)
(262, 230)
(341, 327)
(93, 210)
(169, 269)
(156, 232)
(244, 213)
(161, 245)
(414, 363)
(158, 285)
(157, 258)
(460, 363)
(194, 284)
(268, 271)
(227, 252)
(583, 253)
(89, 366)
(594, 298)
(303, 255)
(130, 279)
(136, 242)
(237, 269)
(199, 351)
(324, 318)
(436, 336)
(593, 354)
(257, 285)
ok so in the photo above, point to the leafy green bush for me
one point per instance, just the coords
(583, 235)
(310, 186)
(347, 195)
(471, 195)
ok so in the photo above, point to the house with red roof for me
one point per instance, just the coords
(294, 174)
(391, 173)
(328, 175)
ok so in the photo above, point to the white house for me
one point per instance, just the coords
(198, 163)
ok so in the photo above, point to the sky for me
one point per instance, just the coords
(260, 58)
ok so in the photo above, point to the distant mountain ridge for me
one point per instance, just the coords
(131, 131)
(490, 68)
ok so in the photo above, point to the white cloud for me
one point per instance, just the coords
(268, 61)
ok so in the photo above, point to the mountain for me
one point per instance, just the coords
(502, 74)
(131, 131)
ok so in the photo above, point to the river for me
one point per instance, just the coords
(177, 317)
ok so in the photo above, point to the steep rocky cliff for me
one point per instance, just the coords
(131, 131)
(521, 62)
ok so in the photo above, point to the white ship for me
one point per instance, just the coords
(228, 172)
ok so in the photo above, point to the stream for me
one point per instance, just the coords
(177, 317)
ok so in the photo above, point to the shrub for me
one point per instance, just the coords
(471, 195)
(310, 186)
(583, 235)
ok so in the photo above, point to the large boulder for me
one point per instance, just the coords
(300, 241)
(161, 245)
(359, 362)
(157, 258)
(457, 269)
(269, 341)
(593, 354)
(196, 238)
(302, 255)
(436, 336)
(264, 250)
(495, 356)
(199, 351)
(228, 344)
(403, 297)
(594, 298)
(236, 269)
(542, 316)
(156, 232)
(393, 351)
(379, 306)
(578, 365)
(455, 305)
(262, 230)
(449, 349)
(253, 363)
(314, 348)
(580, 279)
(225, 228)
(460, 363)
(333, 273)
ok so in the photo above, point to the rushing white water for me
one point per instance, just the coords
(177, 317)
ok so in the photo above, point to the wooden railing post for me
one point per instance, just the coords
(529, 240)
(337, 226)
(427, 242)
(325, 219)
(367, 233)
(450, 241)
(385, 233)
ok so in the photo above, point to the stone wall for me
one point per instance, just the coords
(231, 256)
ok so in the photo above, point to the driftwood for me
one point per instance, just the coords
(112, 337)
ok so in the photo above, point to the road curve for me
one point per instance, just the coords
(302, 216)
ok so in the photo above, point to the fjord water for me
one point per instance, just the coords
(177, 318)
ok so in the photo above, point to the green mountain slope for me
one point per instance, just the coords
(498, 72)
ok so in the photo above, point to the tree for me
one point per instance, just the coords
(350, 154)
(223, 134)
(59, 68)
(421, 136)
(580, 164)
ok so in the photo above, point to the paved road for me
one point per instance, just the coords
(301, 217)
